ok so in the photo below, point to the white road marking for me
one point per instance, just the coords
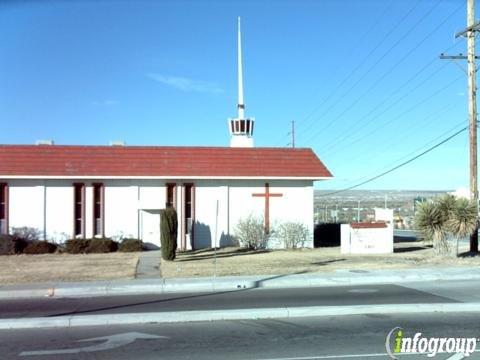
(363, 291)
(112, 341)
(458, 356)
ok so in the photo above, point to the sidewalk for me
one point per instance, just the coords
(148, 265)
(212, 284)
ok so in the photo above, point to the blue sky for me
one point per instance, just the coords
(361, 78)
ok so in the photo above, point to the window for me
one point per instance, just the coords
(79, 210)
(171, 199)
(188, 208)
(3, 208)
(98, 195)
(242, 126)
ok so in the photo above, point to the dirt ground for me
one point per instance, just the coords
(18, 269)
(236, 261)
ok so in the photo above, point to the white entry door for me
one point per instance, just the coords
(151, 227)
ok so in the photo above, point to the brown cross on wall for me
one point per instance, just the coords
(267, 195)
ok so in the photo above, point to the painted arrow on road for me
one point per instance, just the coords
(112, 341)
(457, 356)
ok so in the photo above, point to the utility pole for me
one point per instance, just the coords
(469, 33)
(358, 211)
(472, 112)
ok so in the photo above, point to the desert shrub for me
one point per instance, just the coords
(11, 244)
(250, 233)
(29, 234)
(130, 245)
(77, 246)
(40, 247)
(101, 245)
(293, 235)
(168, 233)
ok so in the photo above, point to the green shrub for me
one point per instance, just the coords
(77, 246)
(40, 247)
(250, 233)
(11, 244)
(131, 245)
(101, 245)
(90, 246)
(168, 233)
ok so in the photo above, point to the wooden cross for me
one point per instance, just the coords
(267, 196)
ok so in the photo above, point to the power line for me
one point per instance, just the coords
(445, 133)
(374, 65)
(388, 141)
(362, 62)
(386, 73)
(352, 130)
(398, 166)
(421, 102)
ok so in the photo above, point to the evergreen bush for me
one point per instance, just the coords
(40, 247)
(101, 245)
(131, 245)
(168, 233)
(77, 246)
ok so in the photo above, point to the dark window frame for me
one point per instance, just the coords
(4, 205)
(98, 212)
(79, 210)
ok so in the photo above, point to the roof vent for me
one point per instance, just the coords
(44, 142)
(117, 143)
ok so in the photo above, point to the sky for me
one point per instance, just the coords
(362, 79)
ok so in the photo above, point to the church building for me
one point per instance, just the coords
(67, 191)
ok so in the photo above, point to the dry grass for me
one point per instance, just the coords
(17, 269)
(235, 261)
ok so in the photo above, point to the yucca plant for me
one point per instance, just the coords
(445, 218)
(463, 219)
(431, 222)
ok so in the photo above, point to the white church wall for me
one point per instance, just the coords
(207, 224)
(295, 204)
(126, 199)
(152, 194)
(59, 210)
(26, 204)
(121, 209)
(88, 210)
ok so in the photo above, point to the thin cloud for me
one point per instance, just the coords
(186, 84)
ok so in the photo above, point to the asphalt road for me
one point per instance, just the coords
(347, 337)
(240, 299)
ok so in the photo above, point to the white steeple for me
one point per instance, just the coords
(241, 128)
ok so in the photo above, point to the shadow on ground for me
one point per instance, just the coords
(411, 248)
(205, 254)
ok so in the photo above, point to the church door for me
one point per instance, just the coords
(151, 227)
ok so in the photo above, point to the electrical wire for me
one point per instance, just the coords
(399, 166)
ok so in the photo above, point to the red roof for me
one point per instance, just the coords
(125, 161)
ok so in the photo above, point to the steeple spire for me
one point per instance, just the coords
(241, 128)
(241, 105)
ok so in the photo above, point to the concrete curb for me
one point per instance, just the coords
(236, 314)
(188, 285)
